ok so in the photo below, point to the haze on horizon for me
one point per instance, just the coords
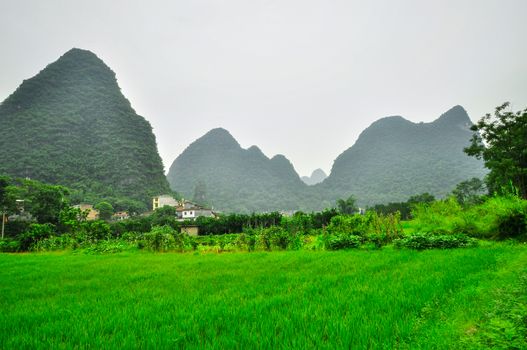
(301, 78)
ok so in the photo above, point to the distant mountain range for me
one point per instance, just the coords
(235, 179)
(316, 177)
(392, 160)
(71, 125)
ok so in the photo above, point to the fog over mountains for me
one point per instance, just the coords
(395, 158)
(317, 176)
(71, 125)
(392, 160)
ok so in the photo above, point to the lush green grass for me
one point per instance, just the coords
(347, 299)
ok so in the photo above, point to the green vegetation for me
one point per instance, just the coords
(452, 222)
(105, 210)
(469, 298)
(215, 170)
(71, 125)
(347, 206)
(404, 208)
(392, 160)
(395, 158)
(502, 143)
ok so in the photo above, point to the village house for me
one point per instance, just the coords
(120, 215)
(163, 200)
(93, 214)
(185, 209)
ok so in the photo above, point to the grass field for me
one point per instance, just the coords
(347, 299)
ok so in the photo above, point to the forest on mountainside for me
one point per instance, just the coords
(71, 125)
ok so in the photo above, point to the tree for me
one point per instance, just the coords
(4, 182)
(105, 210)
(502, 144)
(421, 198)
(469, 192)
(347, 206)
(48, 202)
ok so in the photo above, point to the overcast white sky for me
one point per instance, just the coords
(301, 78)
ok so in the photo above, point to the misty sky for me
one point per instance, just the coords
(297, 77)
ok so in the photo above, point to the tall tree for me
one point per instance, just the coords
(470, 192)
(105, 210)
(348, 206)
(4, 182)
(48, 201)
(501, 141)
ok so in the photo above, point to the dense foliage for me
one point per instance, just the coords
(47, 221)
(404, 208)
(71, 125)
(395, 158)
(502, 143)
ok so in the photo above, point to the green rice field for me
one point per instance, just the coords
(360, 299)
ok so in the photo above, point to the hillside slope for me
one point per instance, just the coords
(71, 125)
(236, 179)
(395, 158)
(317, 176)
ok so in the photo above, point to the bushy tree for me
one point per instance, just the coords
(347, 206)
(105, 210)
(4, 182)
(501, 141)
(422, 198)
(470, 192)
(48, 202)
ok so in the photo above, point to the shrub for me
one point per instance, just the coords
(342, 241)
(279, 237)
(108, 247)
(14, 228)
(265, 239)
(384, 228)
(356, 225)
(431, 241)
(35, 233)
(251, 242)
(8, 245)
(55, 243)
(96, 230)
(445, 215)
(131, 237)
(499, 217)
(512, 225)
(160, 238)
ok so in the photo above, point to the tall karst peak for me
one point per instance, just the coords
(237, 179)
(256, 151)
(395, 158)
(456, 116)
(317, 176)
(218, 137)
(71, 125)
(78, 78)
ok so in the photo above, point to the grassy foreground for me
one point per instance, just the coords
(347, 299)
